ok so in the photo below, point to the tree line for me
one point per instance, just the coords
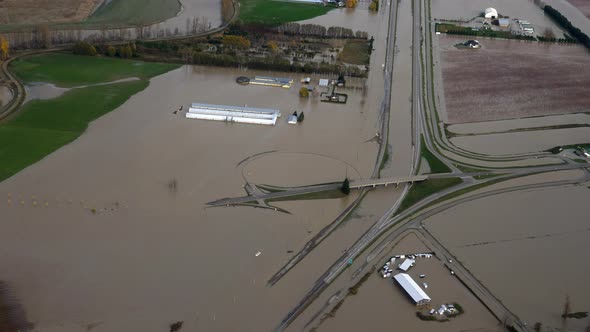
(316, 30)
(267, 63)
(567, 25)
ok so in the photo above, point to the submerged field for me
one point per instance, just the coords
(582, 5)
(277, 12)
(43, 126)
(513, 79)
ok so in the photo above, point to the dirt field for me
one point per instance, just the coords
(513, 79)
(582, 5)
(45, 11)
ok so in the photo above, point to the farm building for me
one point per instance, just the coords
(490, 13)
(504, 23)
(408, 263)
(272, 81)
(233, 114)
(412, 289)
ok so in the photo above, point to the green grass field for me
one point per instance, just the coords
(43, 126)
(66, 70)
(275, 12)
(134, 12)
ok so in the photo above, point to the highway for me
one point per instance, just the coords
(392, 226)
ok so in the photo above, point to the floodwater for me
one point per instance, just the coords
(389, 306)
(44, 91)
(204, 15)
(357, 19)
(466, 10)
(148, 255)
(489, 127)
(522, 142)
(5, 95)
(530, 253)
(573, 14)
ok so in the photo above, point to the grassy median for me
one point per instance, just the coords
(43, 126)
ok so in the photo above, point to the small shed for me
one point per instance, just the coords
(504, 22)
(324, 82)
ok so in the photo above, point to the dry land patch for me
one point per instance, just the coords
(513, 79)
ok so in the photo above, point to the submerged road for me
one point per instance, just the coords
(394, 226)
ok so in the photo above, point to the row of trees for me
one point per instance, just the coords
(317, 30)
(123, 51)
(190, 56)
(567, 25)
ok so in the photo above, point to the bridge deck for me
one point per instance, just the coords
(386, 181)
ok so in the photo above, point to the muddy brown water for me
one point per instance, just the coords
(518, 124)
(383, 303)
(5, 95)
(522, 142)
(149, 256)
(357, 19)
(530, 253)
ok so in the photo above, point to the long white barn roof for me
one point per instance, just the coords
(411, 287)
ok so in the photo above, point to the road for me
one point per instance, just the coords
(392, 226)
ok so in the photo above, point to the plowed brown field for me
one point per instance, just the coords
(512, 79)
(45, 11)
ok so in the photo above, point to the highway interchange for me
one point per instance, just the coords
(494, 169)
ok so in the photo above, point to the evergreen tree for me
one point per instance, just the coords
(345, 187)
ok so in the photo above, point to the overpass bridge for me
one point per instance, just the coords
(359, 184)
(258, 196)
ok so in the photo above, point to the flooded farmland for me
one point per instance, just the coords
(522, 142)
(118, 247)
(530, 253)
(381, 302)
(509, 79)
(490, 127)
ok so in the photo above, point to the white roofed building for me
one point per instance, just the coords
(408, 263)
(490, 13)
(412, 289)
